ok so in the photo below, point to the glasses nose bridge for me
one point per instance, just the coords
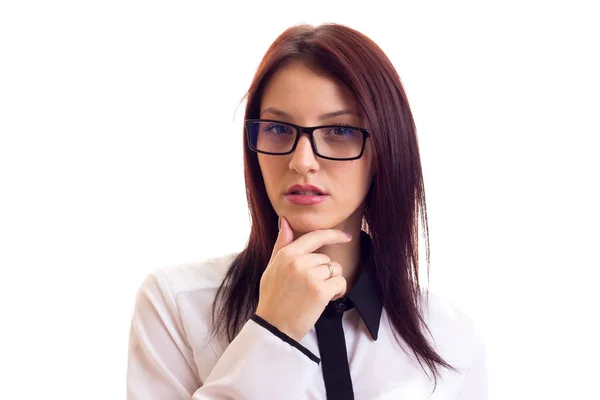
(301, 130)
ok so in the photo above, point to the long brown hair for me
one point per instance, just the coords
(392, 205)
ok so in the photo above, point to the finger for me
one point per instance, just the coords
(336, 287)
(314, 240)
(337, 296)
(311, 261)
(321, 271)
(284, 237)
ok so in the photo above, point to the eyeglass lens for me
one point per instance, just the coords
(279, 138)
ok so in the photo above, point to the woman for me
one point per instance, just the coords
(324, 302)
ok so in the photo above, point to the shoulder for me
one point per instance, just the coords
(176, 280)
(183, 293)
(180, 298)
(456, 336)
(172, 317)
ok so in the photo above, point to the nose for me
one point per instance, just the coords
(304, 159)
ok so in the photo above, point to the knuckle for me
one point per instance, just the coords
(313, 279)
(295, 265)
(343, 283)
(316, 292)
(283, 253)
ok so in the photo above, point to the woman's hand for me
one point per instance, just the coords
(295, 287)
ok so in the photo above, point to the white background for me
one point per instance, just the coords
(121, 152)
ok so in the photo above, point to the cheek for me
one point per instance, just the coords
(271, 170)
(352, 181)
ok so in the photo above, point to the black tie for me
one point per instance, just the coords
(332, 348)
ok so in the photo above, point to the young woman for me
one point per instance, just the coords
(325, 301)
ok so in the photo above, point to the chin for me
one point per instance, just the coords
(304, 222)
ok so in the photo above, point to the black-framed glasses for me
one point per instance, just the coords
(332, 142)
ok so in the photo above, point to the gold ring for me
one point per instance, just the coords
(330, 270)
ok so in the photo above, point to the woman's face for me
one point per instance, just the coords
(297, 95)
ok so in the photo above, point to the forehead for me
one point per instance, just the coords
(303, 93)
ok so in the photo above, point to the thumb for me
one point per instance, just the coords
(285, 236)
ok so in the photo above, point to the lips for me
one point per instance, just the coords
(305, 195)
(305, 190)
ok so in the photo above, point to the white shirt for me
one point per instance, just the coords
(170, 356)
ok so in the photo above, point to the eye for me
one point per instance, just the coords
(342, 131)
(278, 129)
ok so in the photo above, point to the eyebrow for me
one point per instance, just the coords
(281, 113)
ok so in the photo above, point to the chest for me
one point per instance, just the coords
(380, 369)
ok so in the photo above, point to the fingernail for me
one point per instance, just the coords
(349, 236)
(279, 223)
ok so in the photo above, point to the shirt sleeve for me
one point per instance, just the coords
(258, 364)
(475, 384)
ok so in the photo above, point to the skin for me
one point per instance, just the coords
(298, 95)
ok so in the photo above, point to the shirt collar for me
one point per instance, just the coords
(364, 294)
